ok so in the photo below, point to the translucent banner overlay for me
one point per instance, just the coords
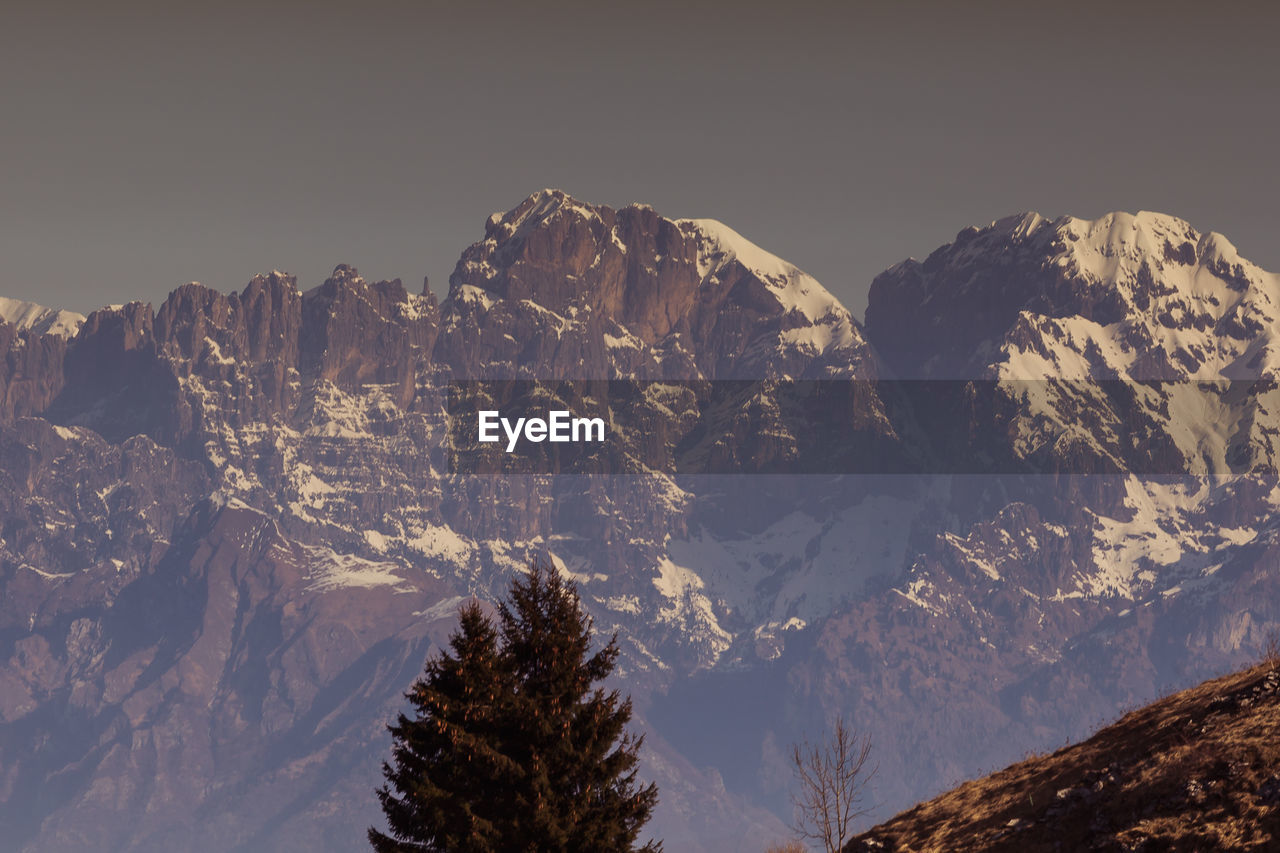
(1160, 427)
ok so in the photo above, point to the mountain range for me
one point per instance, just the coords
(231, 530)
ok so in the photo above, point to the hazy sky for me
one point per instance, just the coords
(145, 145)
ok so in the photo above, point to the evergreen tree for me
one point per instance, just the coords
(448, 772)
(580, 792)
(513, 748)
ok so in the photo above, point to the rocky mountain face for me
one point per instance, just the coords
(231, 529)
(562, 290)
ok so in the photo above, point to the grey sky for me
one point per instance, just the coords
(147, 145)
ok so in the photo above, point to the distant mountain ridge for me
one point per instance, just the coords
(229, 532)
(39, 319)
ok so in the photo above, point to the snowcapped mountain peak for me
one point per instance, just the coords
(39, 319)
(1153, 259)
(1141, 295)
(720, 245)
(1019, 224)
(1143, 232)
(629, 292)
(1157, 238)
(538, 209)
(1215, 247)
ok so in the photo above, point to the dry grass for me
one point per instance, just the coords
(1199, 770)
(786, 847)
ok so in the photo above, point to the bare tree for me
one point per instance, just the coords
(833, 777)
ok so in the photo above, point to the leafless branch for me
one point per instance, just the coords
(832, 778)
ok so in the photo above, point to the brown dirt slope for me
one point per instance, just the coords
(1196, 771)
